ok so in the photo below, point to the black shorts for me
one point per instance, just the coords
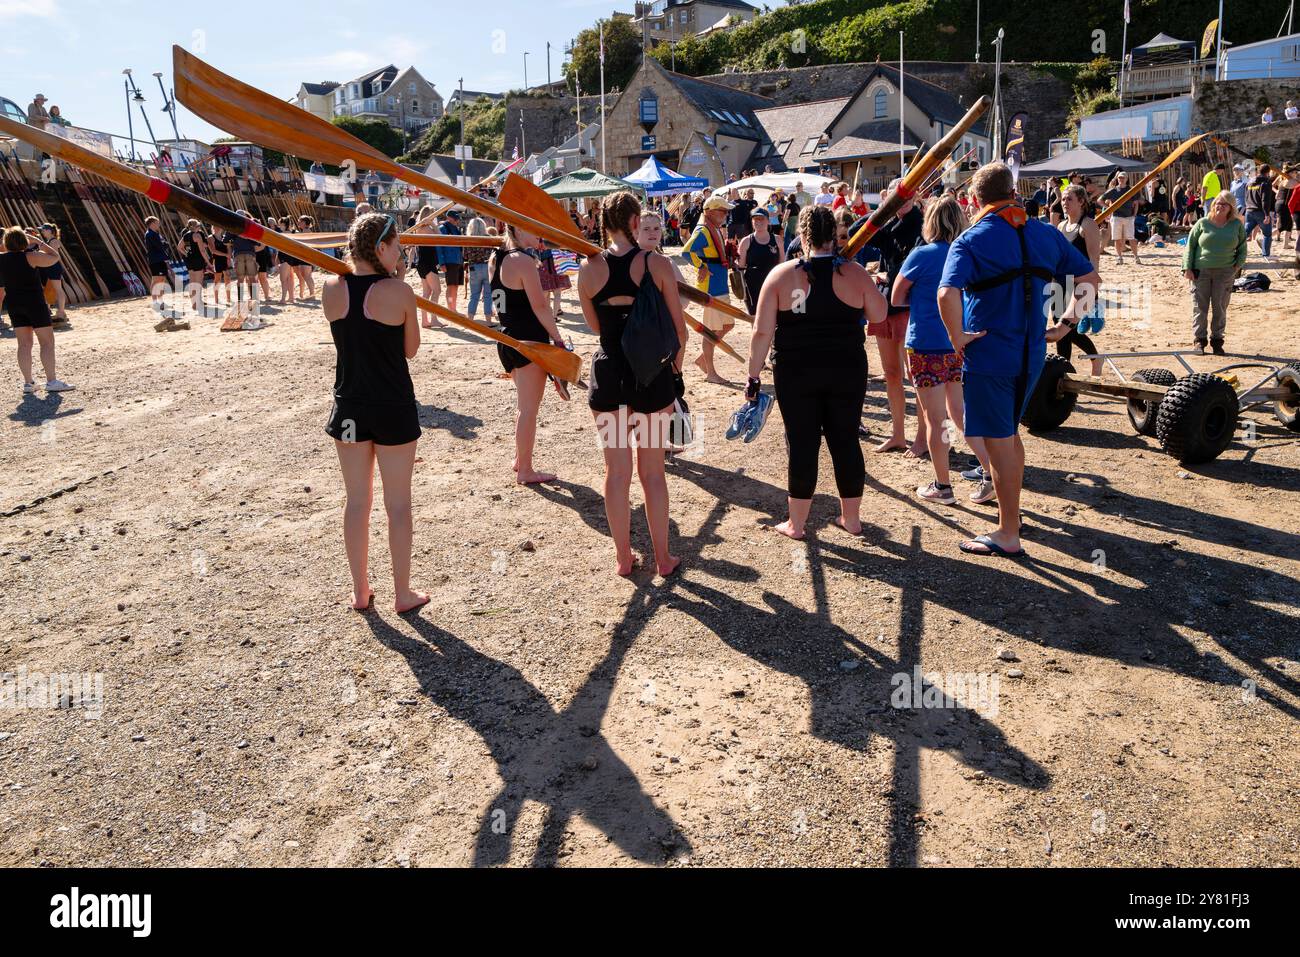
(613, 385)
(383, 423)
(29, 311)
(220, 264)
(48, 273)
(159, 269)
(512, 359)
(423, 269)
(454, 273)
(1284, 220)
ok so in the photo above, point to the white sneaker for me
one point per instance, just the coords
(58, 385)
(984, 492)
(975, 474)
(29, 388)
(934, 492)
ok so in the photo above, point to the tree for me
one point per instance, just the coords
(375, 133)
(622, 56)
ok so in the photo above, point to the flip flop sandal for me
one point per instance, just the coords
(994, 549)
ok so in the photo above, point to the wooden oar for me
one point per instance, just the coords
(481, 184)
(238, 108)
(555, 360)
(1137, 187)
(917, 175)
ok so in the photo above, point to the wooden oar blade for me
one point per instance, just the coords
(560, 363)
(246, 111)
(917, 175)
(524, 196)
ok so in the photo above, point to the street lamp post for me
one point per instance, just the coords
(997, 98)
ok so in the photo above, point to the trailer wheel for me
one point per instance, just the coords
(1048, 407)
(1288, 410)
(1142, 412)
(1197, 418)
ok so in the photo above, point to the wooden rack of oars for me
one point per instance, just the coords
(102, 227)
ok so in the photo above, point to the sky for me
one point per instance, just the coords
(74, 51)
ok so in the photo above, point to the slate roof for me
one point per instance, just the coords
(878, 138)
(789, 127)
(733, 110)
(475, 169)
(320, 89)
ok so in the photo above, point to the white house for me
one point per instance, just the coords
(1267, 59)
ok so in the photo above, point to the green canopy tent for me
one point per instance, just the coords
(586, 183)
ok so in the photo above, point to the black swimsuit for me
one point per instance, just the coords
(1065, 345)
(820, 379)
(613, 384)
(516, 315)
(759, 261)
(374, 400)
(24, 295)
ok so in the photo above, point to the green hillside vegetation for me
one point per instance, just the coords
(485, 124)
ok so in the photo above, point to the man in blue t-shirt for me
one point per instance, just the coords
(1001, 327)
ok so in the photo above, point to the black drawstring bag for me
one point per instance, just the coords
(1252, 282)
(649, 338)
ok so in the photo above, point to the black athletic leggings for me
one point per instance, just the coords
(817, 402)
(1065, 346)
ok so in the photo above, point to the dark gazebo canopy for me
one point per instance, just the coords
(1162, 48)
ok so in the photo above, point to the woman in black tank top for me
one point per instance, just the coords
(813, 310)
(21, 255)
(1082, 232)
(426, 265)
(627, 414)
(759, 253)
(372, 317)
(524, 314)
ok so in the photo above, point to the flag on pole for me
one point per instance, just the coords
(514, 155)
(1126, 12)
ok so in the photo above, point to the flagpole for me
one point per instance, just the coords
(602, 96)
(901, 127)
(1218, 51)
(1123, 53)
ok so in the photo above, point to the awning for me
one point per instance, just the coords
(1083, 160)
(658, 180)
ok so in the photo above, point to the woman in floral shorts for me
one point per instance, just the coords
(934, 366)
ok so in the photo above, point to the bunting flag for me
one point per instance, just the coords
(564, 261)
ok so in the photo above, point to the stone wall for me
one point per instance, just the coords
(1231, 104)
(548, 120)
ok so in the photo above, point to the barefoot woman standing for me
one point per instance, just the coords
(524, 313)
(607, 288)
(372, 318)
(812, 309)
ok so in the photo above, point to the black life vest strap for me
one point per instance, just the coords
(1026, 272)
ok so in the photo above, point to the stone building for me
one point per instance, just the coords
(692, 125)
(401, 98)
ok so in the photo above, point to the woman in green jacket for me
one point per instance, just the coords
(1216, 251)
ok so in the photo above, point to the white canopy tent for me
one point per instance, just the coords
(764, 184)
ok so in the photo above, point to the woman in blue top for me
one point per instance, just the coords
(934, 365)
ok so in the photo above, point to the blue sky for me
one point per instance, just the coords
(74, 51)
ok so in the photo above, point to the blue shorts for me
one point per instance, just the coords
(995, 403)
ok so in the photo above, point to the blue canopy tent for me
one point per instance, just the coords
(658, 180)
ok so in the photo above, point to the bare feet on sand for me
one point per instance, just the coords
(533, 478)
(891, 445)
(667, 568)
(789, 531)
(365, 603)
(626, 566)
(854, 529)
(411, 600)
